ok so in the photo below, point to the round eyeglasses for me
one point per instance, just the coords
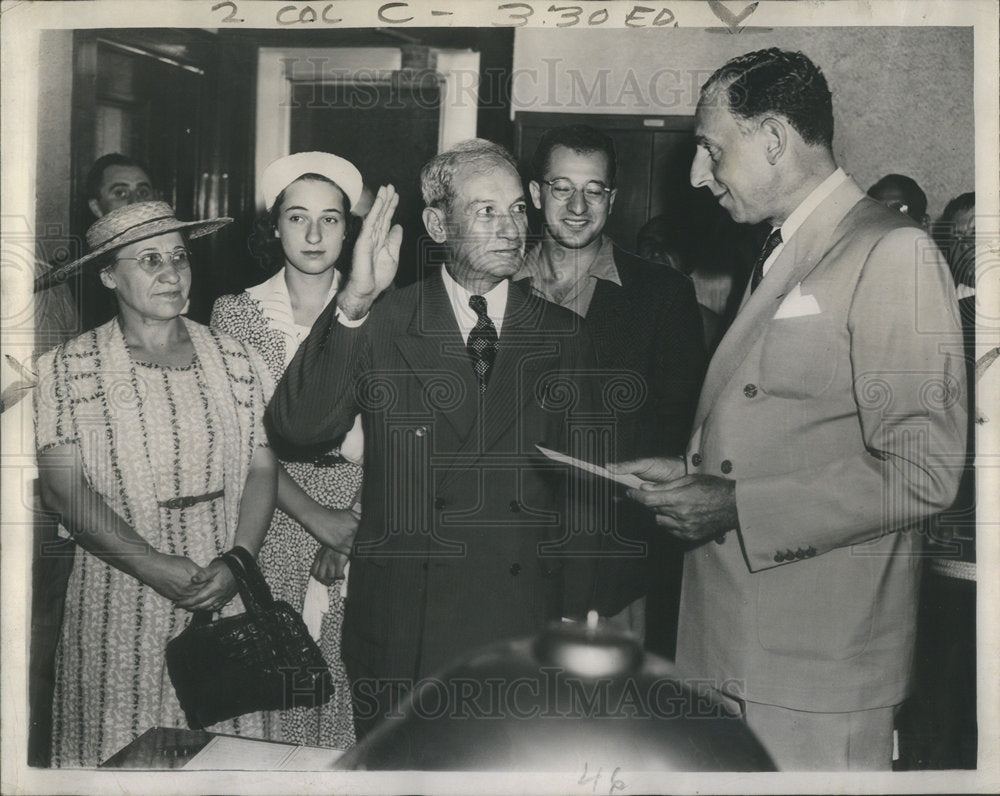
(562, 189)
(151, 262)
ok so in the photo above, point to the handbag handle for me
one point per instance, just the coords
(250, 584)
(258, 587)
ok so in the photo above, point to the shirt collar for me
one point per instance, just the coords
(602, 267)
(810, 203)
(275, 291)
(276, 305)
(496, 303)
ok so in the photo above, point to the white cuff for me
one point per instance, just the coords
(345, 321)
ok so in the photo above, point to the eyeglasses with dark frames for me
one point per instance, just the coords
(593, 192)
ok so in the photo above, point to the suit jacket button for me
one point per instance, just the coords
(750, 390)
(800, 553)
(810, 551)
(720, 539)
(726, 466)
(696, 459)
(515, 569)
(789, 555)
(515, 507)
(439, 503)
(778, 558)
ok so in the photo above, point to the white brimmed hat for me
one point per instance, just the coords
(282, 172)
(129, 224)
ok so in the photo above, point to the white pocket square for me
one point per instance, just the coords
(797, 305)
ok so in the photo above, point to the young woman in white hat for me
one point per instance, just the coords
(151, 448)
(307, 236)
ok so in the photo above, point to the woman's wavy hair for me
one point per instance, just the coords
(266, 248)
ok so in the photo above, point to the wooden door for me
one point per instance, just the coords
(178, 102)
(388, 136)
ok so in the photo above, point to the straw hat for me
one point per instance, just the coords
(126, 225)
(282, 172)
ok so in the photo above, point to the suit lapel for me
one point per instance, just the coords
(608, 313)
(434, 349)
(799, 256)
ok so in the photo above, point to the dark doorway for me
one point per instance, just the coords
(388, 129)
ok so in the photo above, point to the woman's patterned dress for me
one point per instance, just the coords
(261, 317)
(146, 433)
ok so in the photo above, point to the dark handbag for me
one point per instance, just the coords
(263, 659)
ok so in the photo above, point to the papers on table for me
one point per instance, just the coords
(229, 753)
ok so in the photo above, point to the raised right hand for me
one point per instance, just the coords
(376, 256)
(172, 576)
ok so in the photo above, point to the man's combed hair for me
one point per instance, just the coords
(581, 139)
(777, 82)
(92, 184)
(438, 174)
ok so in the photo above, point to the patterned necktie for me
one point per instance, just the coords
(773, 242)
(483, 341)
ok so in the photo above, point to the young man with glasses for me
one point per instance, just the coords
(646, 326)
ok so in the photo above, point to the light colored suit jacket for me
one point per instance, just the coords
(836, 403)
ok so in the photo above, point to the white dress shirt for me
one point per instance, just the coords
(496, 304)
(803, 211)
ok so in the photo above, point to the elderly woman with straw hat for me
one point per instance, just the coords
(151, 447)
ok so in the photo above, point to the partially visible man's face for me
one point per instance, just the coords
(578, 220)
(487, 223)
(120, 186)
(731, 163)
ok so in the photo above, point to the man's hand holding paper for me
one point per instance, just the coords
(691, 507)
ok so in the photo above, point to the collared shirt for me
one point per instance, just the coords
(496, 304)
(804, 210)
(581, 292)
(276, 304)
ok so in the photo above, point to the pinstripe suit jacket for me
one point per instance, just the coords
(463, 522)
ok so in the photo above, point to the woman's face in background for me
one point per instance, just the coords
(157, 293)
(311, 225)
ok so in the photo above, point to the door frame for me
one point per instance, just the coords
(457, 120)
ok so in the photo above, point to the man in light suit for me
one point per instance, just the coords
(830, 424)
(464, 529)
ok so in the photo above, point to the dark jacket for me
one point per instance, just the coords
(463, 522)
(648, 327)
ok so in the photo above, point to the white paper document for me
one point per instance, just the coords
(622, 478)
(228, 753)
